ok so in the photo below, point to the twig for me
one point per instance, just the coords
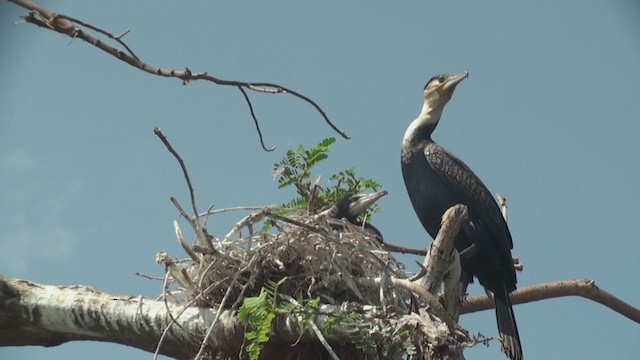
(404, 250)
(184, 213)
(579, 287)
(105, 33)
(419, 274)
(312, 195)
(247, 221)
(70, 26)
(183, 243)
(255, 120)
(150, 277)
(311, 228)
(210, 211)
(166, 143)
(206, 215)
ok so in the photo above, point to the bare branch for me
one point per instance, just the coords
(311, 228)
(164, 139)
(437, 260)
(404, 250)
(255, 120)
(72, 27)
(194, 257)
(579, 287)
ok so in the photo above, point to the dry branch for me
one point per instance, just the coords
(437, 259)
(36, 314)
(73, 28)
(580, 287)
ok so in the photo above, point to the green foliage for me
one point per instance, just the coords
(295, 170)
(260, 311)
(367, 334)
(371, 335)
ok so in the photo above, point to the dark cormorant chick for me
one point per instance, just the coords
(352, 206)
(436, 180)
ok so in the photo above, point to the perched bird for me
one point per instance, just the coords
(352, 206)
(436, 180)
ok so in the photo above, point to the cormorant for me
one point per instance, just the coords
(354, 205)
(436, 180)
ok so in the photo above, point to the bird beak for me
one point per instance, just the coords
(365, 201)
(454, 80)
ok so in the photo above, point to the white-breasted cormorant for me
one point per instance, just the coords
(436, 180)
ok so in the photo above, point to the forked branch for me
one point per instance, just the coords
(76, 29)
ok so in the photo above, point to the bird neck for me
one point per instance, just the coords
(430, 115)
(422, 127)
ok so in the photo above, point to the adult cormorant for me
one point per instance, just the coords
(352, 206)
(436, 180)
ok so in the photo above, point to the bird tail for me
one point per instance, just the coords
(507, 325)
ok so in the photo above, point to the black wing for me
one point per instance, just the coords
(460, 180)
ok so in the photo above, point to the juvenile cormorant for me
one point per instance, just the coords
(354, 205)
(436, 180)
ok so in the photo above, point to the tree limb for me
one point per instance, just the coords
(578, 287)
(440, 251)
(35, 314)
(72, 27)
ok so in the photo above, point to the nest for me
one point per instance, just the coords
(319, 256)
(311, 257)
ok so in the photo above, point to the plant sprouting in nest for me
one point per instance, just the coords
(260, 311)
(295, 170)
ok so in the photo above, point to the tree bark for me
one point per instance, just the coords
(34, 314)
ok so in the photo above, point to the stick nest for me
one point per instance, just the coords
(319, 256)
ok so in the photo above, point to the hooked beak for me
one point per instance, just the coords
(365, 201)
(454, 80)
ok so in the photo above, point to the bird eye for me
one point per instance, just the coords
(441, 78)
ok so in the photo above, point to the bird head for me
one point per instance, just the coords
(353, 205)
(439, 89)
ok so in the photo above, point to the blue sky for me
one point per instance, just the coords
(548, 117)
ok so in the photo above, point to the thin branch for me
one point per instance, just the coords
(255, 120)
(404, 250)
(580, 287)
(211, 211)
(147, 276)
(105, 33)
(419, 274)
(73, 28)
(194, 257)
(311, 228)
(164, 139)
